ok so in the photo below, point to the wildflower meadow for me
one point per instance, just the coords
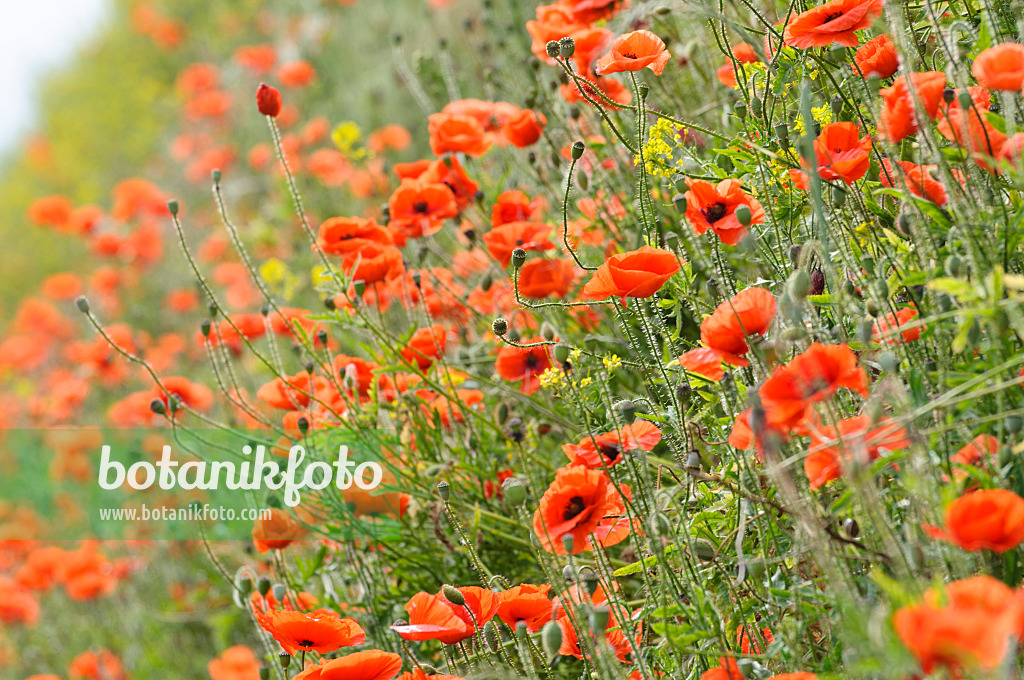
(494, 340)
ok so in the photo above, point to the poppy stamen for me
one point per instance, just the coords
(573, 508)
(715, 212)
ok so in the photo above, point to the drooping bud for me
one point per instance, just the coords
(268, 100)
(627, 410)
(599, 618)
(799, 284)
(452, 594)
(561, 353)
(263, 585)
(547, 331)
(158, 407)
(817, 282)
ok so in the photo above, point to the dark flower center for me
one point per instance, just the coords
(530, 361)
(715, 212)
(610, 451)
(629, 55)
(420, 206)
(574, 507)
(305, 643)
(832, 17)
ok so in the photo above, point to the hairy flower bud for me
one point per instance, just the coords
(551, 638)
(577, 150)
(452, 594)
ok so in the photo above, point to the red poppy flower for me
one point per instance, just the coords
(372, 664)
(748, 313)
(293, 392)
(451, 133)
(887, 327)
(526, 364)
(813, 376)
(530, 236)
(433, 617)
(634, 52)
(276, 532)
(425, 345)
(969, 624)
(524, 128)
(235, 663)
(830, 23)
(899, 115)
(418, 208)
(576, 503)
(854, 439)
(606, 449)
(703, 361)
(877, 57)
(341, 235)
(743, 54)
(321, 631)
(541, 278)
(638, 274)
(714, 207)
(975, 451)
(842, 153)
(918, 179)
(727, 669)
(515, 206)
(989, 519)
(296, 73)
(1001, 67)
(972, 129)
(528, 603)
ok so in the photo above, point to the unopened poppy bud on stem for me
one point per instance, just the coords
(514, 491)
(561, 353)
(599, 618)
(82, 303)
(443, 490)
(452, 594)
(268, 100)
(577, 150)
(799, 284)
(588, 577)
(157, 407)
(279, 591)
(743, 215)
(263, 585)
(264, 673)
(568, 542)
(215, 175)
(172, 206)
(551, 638)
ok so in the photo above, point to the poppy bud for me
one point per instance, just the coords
(417, 278)
(514, 491)
(561, 353)
(680, 202)
(743, 215)
(279, 591)
(704, 549)
(359, 287)
(568, 542)
(817, 282)
(499, 326)
(627, 410)
(683, 393)
(264, 673)
(866, 329)
(838, 198)
(948, 95)
(583, 181)
(588, 579)
(82, 303)
(518, 257)
(547, 331)
(215, 175)
(157, 406)
(566, 47)
(712, 287)
(643, 89)
(837, 106)
(285, 659)
(245, 586)
(263, 585)
(204, 327)
(965, 100)
(756, 106)
(521, 631)
(799, 284)
(848, 287)
(268, 100)
(952, 265)
(443, 490)
(599, 618)
(881, 289)
(889, 362)
(1012, 424)
(740, 109)
(452, 594)
(569, 573)
(577, 150)
(172, 206)
(492, 637)
(551, 638)
(552, 48)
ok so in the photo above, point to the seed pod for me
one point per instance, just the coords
(848, 287)
(561, 353)
(866, 328)
(452, 594)
(882, 289)
(704, 549)
(82, 303)
(158, 407)
(599, 619)
(569, 543)
(627, 410)
(215, 175)
(263, 585)
(1012, 424)
(547, 331)
(740, 109)
(588, 579)
(285, 659)
(518, 257)
(577, 150)
(756, 106)
(782, 134)
(499, 326)
(279, 591)
(172, 207)
(953, 265)
(799, 284)
(889, 362)
(680, 202)
(552, 49)
(443, 490)
(566, 47)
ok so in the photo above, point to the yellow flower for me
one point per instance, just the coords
(611, 362)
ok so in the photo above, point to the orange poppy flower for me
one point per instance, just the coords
(258, 59)
(634, 52)
(524, 128)
(340, 235)
(899, 117)
(528, 603)
(918, 179)
(1000, 67)
(743, 53)
(541, 278)
(526, 364)
(418, 208)
(982, 138)
(831, 23)
(418, 674)
(296, 74)
(276, 532)
(887, 327)
(515, 206)
(969, 624)
(606, 449)
(975, 451)
(589, 11)
(614, 635)
(503, 239)
(451, 133)
(703, 361)
(101, 664)
(842, 153)
(433, 617)
(389, 137)
(293, 392)
(813, 376)
(235, 663)
(989, 519)
(748, 313)
(372, 664)
(51, 210)
(17, 603)
(727, 669)
(321, 631)
(425, 346)
(877, 57)
(575, 504)
(714, 207)
(638, 274)
(854, 439)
